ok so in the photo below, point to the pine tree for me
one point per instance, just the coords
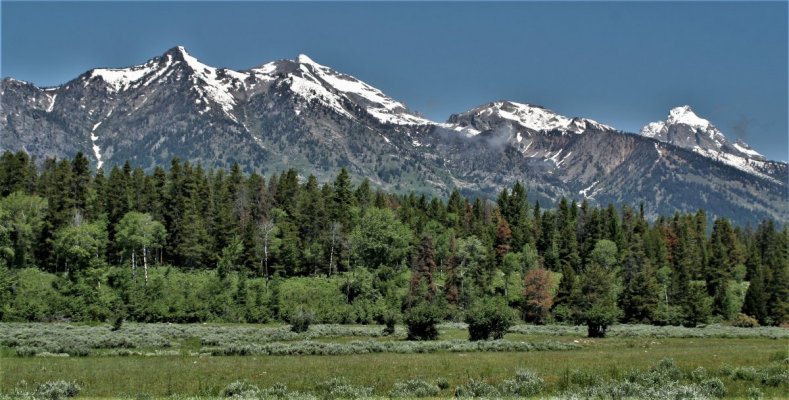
(641, 294)
(343, 201)
(755, 303)
(453, 283)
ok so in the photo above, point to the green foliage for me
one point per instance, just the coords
(301, 320)
(477, 388)
(421, 321)
(22, 221)
(80, 245)
(596, 298)
(341, 388)
(57, 390)
(697, 306)
(380, 239)
(390, 319)
(526, 383)
(240, 389)
(489, 318)
(225, 235)
(414, 388)
(34, 298)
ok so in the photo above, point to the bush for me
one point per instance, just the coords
(117, 323)
(699, 374)
(340, 388)
(57, 390)
(421, 321)
(442, 383)
(25, 351)
(755, 393)
(525, 383)
(76, 351)
(745, 374)
(713, 387)
(414, 388)
(390, 321)
(240, 389)
(744, 321)
(300, 321)
(488, 318)
(475, 388)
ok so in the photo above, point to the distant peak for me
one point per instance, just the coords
(681, 109)
(305, 59)
(685, 115)
(178, 52)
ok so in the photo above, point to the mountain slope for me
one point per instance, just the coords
(300, 114)
(580, 158)
(685, 129)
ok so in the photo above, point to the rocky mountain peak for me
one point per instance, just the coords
(684, 128)
(520, 117)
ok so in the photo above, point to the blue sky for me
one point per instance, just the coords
(621, 63)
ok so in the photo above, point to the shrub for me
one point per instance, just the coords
(713, 387)
(76, 351)
(57, 390)
(755, 393)
(667, 370)
(390, 321)
(489, 318)
(414, 388)
(744, 321)
(475, 388)
(745, 374)
(442, 383)
(117, 323)
(421, 321)
(525, 383)
(25, 351)
(340, 388)
(240, 389)
(301, 320)
(774, 376)
(699, 374)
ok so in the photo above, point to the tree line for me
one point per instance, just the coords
(572, 262)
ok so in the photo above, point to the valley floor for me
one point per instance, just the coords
(162, 360)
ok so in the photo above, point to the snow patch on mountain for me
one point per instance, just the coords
(530, 117)
(683, 128)
(375, 102)
(52, 103)
(96, 148)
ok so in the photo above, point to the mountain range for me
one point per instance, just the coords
(300, 114)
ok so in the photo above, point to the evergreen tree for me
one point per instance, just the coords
(594, 302)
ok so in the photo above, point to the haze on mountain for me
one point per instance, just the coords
(303, 115)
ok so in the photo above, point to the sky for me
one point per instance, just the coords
(621, 63)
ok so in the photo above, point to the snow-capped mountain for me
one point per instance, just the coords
(685, 129)
(300, 114)
(519, 118)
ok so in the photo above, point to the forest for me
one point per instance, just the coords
(185, 244)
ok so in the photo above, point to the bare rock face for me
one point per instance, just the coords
(300, 114)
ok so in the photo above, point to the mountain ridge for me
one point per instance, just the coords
(301, 114)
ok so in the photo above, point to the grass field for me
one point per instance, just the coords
(165, 360)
